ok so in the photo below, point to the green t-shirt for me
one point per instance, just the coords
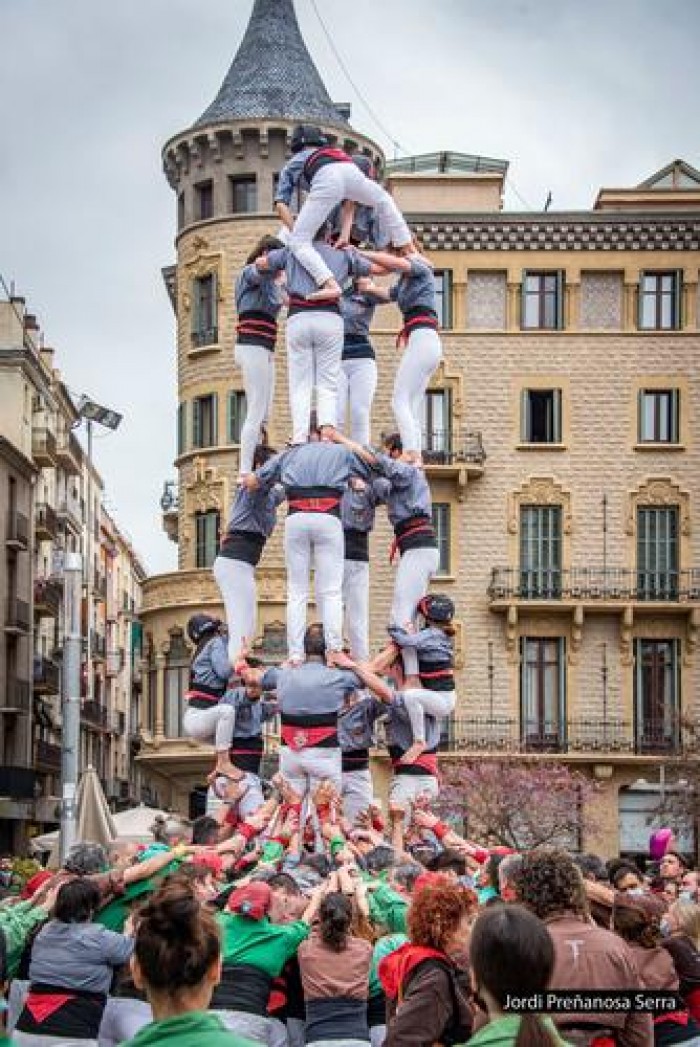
(115, 914)
(388, 908)
(259, 943)
(503, 1032)
(382, 947)
(203, 1028)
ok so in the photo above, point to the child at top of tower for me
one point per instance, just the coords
(331, 177)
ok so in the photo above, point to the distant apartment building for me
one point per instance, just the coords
(51, 504)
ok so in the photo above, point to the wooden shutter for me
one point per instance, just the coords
(525, 430)
(196, 423)
(214, 419)
(560, 311)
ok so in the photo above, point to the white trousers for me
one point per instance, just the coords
(333, 184)
(421, 702)
(420, 360)
(307, 768)
(416, 568)
(356, 603)
(314, 539)
(314, 350)
(122, 1019)
(377, 1035)
(356, 793)
(258, 367)
(356, 389)
(28, 1039)
(405, 788)
(216, 724)
(255, 1027)
(236, 582)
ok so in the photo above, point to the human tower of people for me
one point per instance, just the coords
(293, 913)
(329, 699)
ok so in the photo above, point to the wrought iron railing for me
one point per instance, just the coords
(17, 529)
(17, 695)
(46, 675)
(48, 755)
(594, 583)
(47, 597)
(17, 616)
(453, 447)
(610, 735)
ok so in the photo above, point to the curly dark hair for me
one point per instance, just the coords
(549, 883)
(638, 920)
(436, 912)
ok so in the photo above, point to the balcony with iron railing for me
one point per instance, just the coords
(48, 757)
(48, 597)
(18, 783)
(99, 585)
(581, 738)
(17, 696)
(46, 675)
(98, 646)
(69, 454)
(592, 586)
(454, 452)
(17, 536)
(43, 446)
(45, 522)
(18, 619)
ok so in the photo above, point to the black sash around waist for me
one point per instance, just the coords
(355, 760)
(336, 1018)
(242, 988)
(417, 532)
(357, 347)
(436, 676)
(376, 1010)
(319, 499)
(246, 753)
(297, 305)
(243, 545)
(256, 327)
(356, 545)
(55, 1010)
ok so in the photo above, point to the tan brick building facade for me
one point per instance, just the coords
(570, 357)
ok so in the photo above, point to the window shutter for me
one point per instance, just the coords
(196, 424)
(525, 416)
(214, 419)
(675, 415)
(522, 297)
(640, 416)
(447, 298)
(678, 300)
(556, 416)
(560, 300)
(215, 302)
(230, 409)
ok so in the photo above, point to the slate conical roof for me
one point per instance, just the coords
(272, 74)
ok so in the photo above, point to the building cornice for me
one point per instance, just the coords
(562, 231)
(16, 459)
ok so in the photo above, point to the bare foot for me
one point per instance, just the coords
(330, 290)
(412, 754)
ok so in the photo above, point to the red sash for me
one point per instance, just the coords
(435, 674)
(314, 505)
(201, 694)
(299, 738)
(416, 321)
(421, 526)
(264, 327)
(427, 762)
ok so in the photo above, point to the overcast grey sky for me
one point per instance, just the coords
(575, 93)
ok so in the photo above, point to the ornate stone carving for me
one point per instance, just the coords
(206, 490)
(512, 634)
(659, 491)
(576, 634)
(539, 490)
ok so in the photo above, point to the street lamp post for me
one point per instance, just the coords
(70, 683)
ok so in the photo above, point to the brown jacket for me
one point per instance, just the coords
(655, 967)
(426, 1008)
(588, 957)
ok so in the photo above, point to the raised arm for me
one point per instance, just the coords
(362, 452)
(387, 262)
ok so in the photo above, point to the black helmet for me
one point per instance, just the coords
(201, 624)
(305, 135)
(437, 608)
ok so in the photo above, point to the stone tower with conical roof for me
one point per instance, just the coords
(223, 170)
